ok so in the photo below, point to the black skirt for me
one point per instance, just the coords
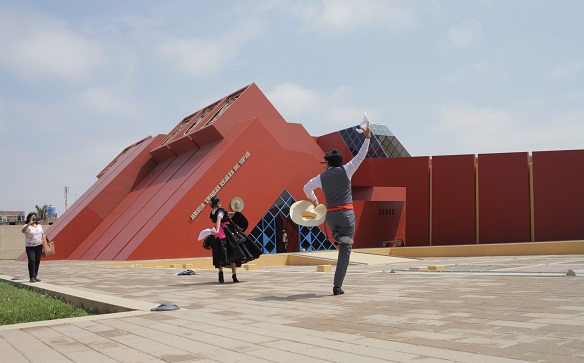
(236, 248)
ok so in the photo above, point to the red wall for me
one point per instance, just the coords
(453, 200)
(411, 173)
(378, 222)
(334, 141)
(98, 245)
(558, 184)
(250, 182)
(141, 205)
(154, 220)
(380, 214)
(504, 215)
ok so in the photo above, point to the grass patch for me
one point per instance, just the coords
(24, 305)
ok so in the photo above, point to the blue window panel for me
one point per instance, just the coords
(264, 233)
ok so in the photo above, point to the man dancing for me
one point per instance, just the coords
(335, 183)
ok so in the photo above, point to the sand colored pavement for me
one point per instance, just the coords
(478, 309)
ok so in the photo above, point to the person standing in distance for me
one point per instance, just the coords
(285, 240)
(33, 240)
(335, 183)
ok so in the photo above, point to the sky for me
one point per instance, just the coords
(82, 80)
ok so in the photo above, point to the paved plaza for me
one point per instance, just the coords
(478, 309)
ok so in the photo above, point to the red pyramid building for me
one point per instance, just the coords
(150, 201)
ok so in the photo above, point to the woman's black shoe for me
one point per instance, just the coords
(221, 277)
(234, 278)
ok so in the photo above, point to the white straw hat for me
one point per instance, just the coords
(305, 213)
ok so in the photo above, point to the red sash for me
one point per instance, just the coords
(337, 208)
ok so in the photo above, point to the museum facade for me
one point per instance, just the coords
(150, 202)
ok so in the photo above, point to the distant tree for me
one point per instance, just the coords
(41, 211)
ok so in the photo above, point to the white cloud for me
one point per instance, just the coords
(478, 72)
(568, 71)
(474, 128)
(345, 15)
(319, 113)
(107, 101)
(39, 47)
(197, 57)
(564, 128)
(465, 33)
(293, 100)
(40, 119)
(464, 129)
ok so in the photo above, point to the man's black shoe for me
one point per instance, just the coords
(32, 279)
(37, 279)
(338, 291)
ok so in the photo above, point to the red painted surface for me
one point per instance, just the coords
(116, 221)
(412, 173)
(247, 183)
(381, 215)
(453, 200)
(504, 215)
(141, 205)
(151, 217)
(334, 141)
(558, 184)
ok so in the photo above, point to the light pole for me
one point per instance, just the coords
(66, 193)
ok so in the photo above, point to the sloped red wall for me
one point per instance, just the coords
(70, 229)
(254, 182)
(97, 244)
(152, 219)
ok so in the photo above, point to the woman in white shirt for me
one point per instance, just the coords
(33, 240)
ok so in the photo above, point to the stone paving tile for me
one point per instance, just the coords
(88, 355)
(13, 356)
(37, 356)
(289, 314)
(413, 349)
(127, 355)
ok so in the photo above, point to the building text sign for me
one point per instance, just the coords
(220, 185)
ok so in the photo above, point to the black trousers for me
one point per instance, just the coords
(34, 259)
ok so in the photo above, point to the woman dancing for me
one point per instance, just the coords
(230, 246)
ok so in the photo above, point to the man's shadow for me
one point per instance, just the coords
(289, 298)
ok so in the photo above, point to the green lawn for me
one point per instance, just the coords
(23, 305)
